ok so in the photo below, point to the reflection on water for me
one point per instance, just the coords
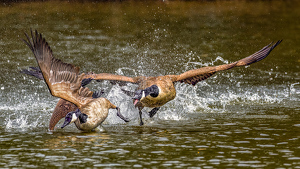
(246, 117)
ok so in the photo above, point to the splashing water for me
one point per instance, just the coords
(293, 89)
(21, 122)
(210, 96)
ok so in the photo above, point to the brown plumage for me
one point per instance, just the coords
(157, 91)
(63, 107)
(64, 81)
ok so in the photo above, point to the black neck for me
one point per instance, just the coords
(81, 116)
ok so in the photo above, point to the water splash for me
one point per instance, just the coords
(213, 95)
(294, 89)
(203, 98)
(26, 111)
(224, 92)
(21, 122)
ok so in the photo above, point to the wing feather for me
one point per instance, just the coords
(62, 79)
(194, 76)
(111, 77)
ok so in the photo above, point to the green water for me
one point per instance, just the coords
(241, 118)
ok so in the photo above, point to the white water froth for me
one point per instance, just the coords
(294, 89)
(26, 111)
(21, 122)
(29, 114)
(216, 98)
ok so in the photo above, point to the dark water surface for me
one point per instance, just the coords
(241, 118)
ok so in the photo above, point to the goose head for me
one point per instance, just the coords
(153, 91)
(73, 116)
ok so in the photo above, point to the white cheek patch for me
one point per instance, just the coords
(74, 118)
(143, 94)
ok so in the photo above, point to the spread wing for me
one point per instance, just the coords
(62, 79)
(197, 75)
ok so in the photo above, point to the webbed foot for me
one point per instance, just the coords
(153, 111)
(98, 94)
(121, 116)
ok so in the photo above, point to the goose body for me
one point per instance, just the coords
(167, 91)
(64, 81)
(97, 112)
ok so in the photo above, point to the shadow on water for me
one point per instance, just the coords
(245, 117)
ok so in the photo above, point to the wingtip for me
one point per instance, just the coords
(273, 46)
(277, 43)
(259, 55)
(270, 48)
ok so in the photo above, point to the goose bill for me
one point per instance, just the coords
(136, 101)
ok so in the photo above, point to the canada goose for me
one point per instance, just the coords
(63, 81)
(154, 92)
(63, 107)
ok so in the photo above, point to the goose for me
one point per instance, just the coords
(87, 109)
(154, 92)
(63, 107)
